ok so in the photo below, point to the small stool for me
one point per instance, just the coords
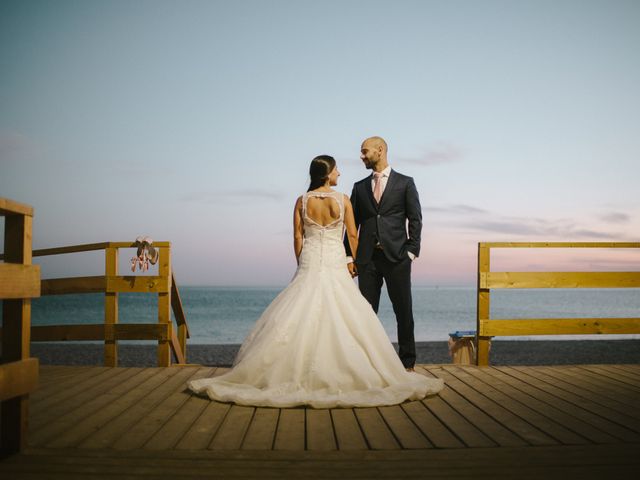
(462, 347)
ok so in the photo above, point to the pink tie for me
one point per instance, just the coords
(377, 188)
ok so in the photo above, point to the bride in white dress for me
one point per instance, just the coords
(319, 343)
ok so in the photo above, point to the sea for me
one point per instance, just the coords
(225, 315)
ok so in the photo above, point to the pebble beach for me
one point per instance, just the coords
(503, 352)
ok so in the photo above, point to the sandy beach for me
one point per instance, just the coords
(503, 352)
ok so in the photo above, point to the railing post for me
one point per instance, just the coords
(16, 337)
(164, 307)
(483, 306)
(182, 339)
(110, 309)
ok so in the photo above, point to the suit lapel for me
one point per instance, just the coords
(390, 182)
(369, 190)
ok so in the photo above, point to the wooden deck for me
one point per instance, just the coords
(506, 422)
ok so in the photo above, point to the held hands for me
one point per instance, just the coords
(353, 271)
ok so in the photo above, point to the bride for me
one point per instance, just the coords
(319, 342)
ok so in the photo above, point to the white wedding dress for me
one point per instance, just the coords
(319, 342)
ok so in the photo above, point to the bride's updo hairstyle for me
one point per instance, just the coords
(319, 170)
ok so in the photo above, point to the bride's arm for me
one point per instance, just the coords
(352, 230)
(298, 229)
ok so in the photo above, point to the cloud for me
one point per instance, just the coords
(537, 228)
(461, 209)
(12, 141)
(234, 195)
(439, 154)
(615, 217)
(481, 220)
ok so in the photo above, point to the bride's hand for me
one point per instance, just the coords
(352, 269)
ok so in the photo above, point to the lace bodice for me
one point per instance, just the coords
(323, 242)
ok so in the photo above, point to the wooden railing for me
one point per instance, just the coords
(112, 284)
(488, 280)
(19, 283)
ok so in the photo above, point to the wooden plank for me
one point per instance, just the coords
(54, 333)
(582, 408)
(570, 462)
(632, 371)
(18, 378)
(63, 286)
(434, 430)
(19, 281)
(617, 395)
(408, 435)
(138, 434)
(11, 207)
(479, 412)
(164, 305)
(290, 434)
(559, 280)
(233, 428)
(615, 376)
(158, 244)
(602, 392)
(121, 331)
(135, 406)
(261, 433)
(561, 244)
(110, 308)
(589, 401)
(175, 344)
(499, 408)
(181, 320)
(64, 377)
(176, 426)
(347, 430)
(558, 326)
(90, 247)
(87, 247)
(16, 331)
(16, 319)
(107, 406)
(483, 307)
(199, 435)
(64, 399)
(564, 412)
(375, 430)
(319, 430)
(52, 374)
(530, 409)
(137, 284)
(176, 305)
(55, 421)
(54, 378)
(457, 423)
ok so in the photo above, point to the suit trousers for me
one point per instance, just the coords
(397, 277)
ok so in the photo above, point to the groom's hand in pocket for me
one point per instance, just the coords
(352, 269)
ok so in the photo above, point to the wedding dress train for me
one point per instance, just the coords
(319, 342)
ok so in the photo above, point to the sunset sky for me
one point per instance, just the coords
(195, 122)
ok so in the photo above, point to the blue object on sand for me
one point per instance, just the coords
(462, 334)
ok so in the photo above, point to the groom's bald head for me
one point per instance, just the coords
(373, 153)
(377, 143)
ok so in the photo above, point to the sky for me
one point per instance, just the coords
(195, 122)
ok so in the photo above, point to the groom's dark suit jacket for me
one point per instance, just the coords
(395, 223)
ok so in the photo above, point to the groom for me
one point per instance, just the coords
(383, 204)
